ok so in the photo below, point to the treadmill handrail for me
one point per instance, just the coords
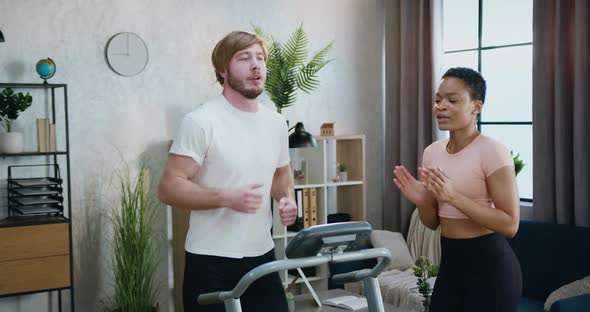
(359, 275)
(258, 272)
(288, 264)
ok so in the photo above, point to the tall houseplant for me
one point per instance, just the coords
(11, 105)
(134, 255)
(287, 70)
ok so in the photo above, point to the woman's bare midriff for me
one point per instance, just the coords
(461, 228)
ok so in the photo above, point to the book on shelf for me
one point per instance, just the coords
(46, 136)
(352, 303)
(43, 135)
(313, 207)
(298, 225)
(52, 144)
(306, 211)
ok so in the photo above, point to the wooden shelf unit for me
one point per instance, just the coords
(332, 196)
(37, 249)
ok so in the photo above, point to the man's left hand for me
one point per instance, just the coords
(287, 211)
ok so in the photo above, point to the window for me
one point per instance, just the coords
(495, 38)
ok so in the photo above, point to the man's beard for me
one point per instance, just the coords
(239, 86)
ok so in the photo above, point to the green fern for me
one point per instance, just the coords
(287, 71)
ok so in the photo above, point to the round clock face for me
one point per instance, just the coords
(126, 54)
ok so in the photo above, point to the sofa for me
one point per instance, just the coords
(552, 256)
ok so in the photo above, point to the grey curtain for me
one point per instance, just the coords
(408, 99)
(561, 111)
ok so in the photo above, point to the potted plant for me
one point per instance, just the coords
(290, 301)
(518, 163)
(342, 173)
(290, 296)
(287, 71)
(424, 270)
(11, 105)
(134, 255)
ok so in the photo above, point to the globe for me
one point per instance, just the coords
(45, 68)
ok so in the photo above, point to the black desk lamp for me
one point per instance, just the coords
(1, 36)
(300, 137)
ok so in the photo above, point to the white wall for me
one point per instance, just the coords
(115, 118)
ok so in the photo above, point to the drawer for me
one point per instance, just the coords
(34, 274)
(33, 241)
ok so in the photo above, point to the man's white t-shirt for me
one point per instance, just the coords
(233, 149)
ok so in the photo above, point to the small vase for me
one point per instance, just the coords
(343, 175)
(291, 305)
(11, 142)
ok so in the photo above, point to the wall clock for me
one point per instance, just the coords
(126, 54)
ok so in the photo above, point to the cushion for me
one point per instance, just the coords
(576, 288)
(396, 244)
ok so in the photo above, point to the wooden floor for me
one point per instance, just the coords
(305, 303)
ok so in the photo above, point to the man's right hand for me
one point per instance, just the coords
(246, 199)
(412, 189)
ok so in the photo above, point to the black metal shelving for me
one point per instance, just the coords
(52, 197)
(33, 85)
(32, 154)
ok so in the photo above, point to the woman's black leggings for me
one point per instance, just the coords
(477, 274)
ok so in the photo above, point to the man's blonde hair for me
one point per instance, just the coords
(228, 46)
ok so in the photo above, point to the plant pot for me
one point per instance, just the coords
(343, 175)
(11, 142)
(291, 305)
(154, 309)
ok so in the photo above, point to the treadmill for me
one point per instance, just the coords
(316, 245)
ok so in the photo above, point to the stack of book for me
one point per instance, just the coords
(307, 215)
(307, 208)
(45, 135)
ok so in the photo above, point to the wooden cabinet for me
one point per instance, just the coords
(333, 195)
(35, 257)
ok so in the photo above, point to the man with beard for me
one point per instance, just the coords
(228, 158)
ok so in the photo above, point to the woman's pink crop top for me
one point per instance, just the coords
(468, 169)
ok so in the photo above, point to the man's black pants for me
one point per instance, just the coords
(203, 274)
